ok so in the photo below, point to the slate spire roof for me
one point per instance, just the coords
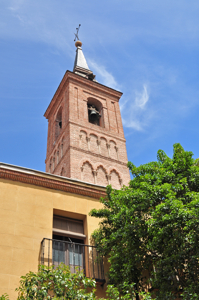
(80, 66)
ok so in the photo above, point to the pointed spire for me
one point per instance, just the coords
(80, 66)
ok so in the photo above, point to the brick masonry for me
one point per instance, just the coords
(82, 150)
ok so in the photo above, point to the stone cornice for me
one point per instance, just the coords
(90, 84)
(49, 181)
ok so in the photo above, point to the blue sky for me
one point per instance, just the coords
(149, 50)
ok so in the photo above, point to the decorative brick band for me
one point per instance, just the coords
(64, 184)
(99, 155)
(101, 131)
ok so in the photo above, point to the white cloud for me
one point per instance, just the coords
(134, 112)
(36, 21)
(103, 76)
(12, 8)
(16, 4)
(55, 21)
(142, 98)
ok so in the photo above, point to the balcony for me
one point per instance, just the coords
(76, 256)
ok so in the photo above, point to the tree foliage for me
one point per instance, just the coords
(55, 283)
(149, 230)
(60, 284)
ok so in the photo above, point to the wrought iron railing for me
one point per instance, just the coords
(76, 256)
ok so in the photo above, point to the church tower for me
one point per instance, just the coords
(85, 133)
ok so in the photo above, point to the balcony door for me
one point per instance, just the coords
(68, 243)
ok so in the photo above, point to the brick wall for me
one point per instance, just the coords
(79, 149)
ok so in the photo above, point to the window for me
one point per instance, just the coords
(63, 173)
(53, 163)
(68, 251)
(57, 157)
(95, 115)
(58, 123)
(62, 149)
(67, 246)
(68, 242)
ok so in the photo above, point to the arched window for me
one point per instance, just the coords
(103, 146)
(102, 178)
(58, 123)
(87, 172)
(83, 140)
(62, 149)
(53, 163)
(50, 165)
(115, 180)
(95, 112)
(93, 143)
(57, 157)
(113, 150)
(63, 173)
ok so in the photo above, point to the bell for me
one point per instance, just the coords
(93, 112)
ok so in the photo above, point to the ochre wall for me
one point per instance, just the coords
(26, 217)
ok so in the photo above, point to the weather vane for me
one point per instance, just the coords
(76, 34)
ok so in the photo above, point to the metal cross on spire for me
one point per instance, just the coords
(76, 34)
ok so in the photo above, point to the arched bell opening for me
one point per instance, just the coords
(59, 118)
(58, 123)
(95, 112)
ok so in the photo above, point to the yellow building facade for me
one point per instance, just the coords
(31, 202)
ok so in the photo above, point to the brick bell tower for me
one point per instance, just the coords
(85, 133)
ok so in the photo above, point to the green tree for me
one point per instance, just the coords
(50, 283)
(60, 284)
(151, 228)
